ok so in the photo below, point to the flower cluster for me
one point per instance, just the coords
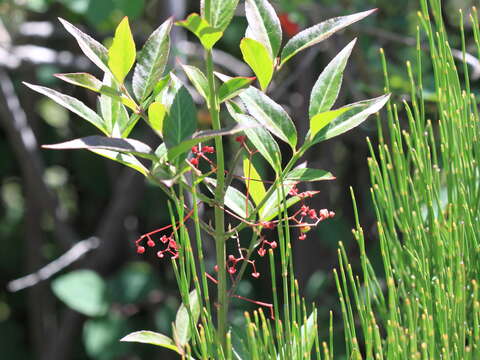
(170, 248)
(199, 153)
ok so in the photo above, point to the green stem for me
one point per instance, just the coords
(222, 299)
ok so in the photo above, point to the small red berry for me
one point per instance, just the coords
(195, 149)
(151, 243)
(240, 139)
(256, 275)
(194, 162)
(140, 249)
(209, 149)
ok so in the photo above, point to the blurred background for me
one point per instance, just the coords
(65, 211)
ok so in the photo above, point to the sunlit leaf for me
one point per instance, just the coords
(207, 34)
(198, 80)
(346, 120)
(257, 57)
(253, 181)
(156, 116)
(263, 25)
(151, 61)
(152, 338)
(326, 89)
(260, 138)
(95, 51)
(96, 142)
(233, 87)
(270, 114)
(122, 53)
(319, 121)
(235, 200)
(186, 318)
(318, 33)
(72, 104)
(306, 174)
(220, 12)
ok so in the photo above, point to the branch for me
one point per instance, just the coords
(46, 272)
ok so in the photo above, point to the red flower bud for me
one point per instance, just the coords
(273, 244)
(232, 270)
(215, 268)
(256, 275)
(151, 243)
(160, 254)
(262, 252)
(140, 249)
(302, 237)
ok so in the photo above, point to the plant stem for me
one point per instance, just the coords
(222, 300)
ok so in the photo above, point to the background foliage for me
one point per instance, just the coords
(52, 200)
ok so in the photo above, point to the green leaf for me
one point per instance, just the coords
(326, 89)
(220, 12)
(152, 60)
(156, 116)
(90, 82)
(96, 142)
(257, 57)
(100, 337)
(152, 338)
(260, 138)
(72, 104)
(263, 25)
(95, 51)
(271, 209)
(203, 136)
(306, 174)
(253, 181)
(318, 33)
(269, 114)
(85, 80)
(319, 121)
(231, 88)
(208, 35)
(308, 332)
(124, 159)
(183, 322)
(114, 114)
(354, 115)
(198, 80)
(82, 291)
(122, 53)
(181, 122)
(234, 199)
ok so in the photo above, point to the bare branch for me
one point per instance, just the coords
(46, 272)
